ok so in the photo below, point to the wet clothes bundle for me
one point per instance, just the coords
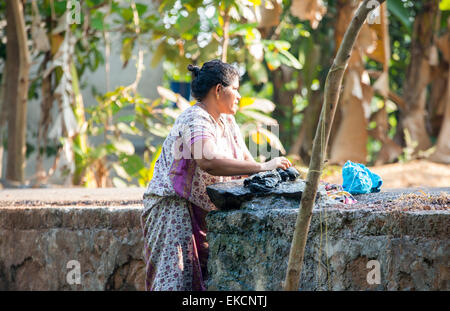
(266, 181)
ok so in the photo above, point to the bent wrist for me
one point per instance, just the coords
(262, 166)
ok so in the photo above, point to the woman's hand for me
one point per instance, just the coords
(279, 162)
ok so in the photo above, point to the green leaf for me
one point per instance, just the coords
(155, 157)
(158, 55)
(110, 148)
(257, 73)
(127, 49)
(272, 59)
(141, 9)
(125, 128)
(398, 10)
(123, 145)
(132, 164)
(60, 7)
(276, 44)
(293, 62)
(97, 23)
(115, 107)
(99, 152)
(166, 5)
(241, 29)
(127, 14)
(77, 150)
(191, 47)
(282, 45)
(127, 118)
(121, 172)
(209, 51)
(92, 3)
(187, 23)
(444, 5)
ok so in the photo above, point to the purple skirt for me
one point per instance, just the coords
(176, 251)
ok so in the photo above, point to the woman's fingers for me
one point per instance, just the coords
(288, 163)
(279, 162)
(285, 162)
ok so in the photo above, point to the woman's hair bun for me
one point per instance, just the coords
(213, 72)
(194, 69)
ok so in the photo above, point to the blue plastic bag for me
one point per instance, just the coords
(359, 179)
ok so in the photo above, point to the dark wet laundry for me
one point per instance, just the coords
(266, 181)
(290, 173)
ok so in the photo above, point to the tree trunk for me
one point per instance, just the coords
(303, 143)
(12, 68)
(16, 89)
(332, 87)
(437, 99)
(442, 152)
(350, 139)
(418, 75)
(226, 36)
(389, 150)
(3, 118)
(350, 142)
(283, 101)
(44, 122)
(82, 175)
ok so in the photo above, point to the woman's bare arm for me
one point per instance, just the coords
(204, 152)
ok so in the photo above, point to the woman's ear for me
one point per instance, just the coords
(218, 86)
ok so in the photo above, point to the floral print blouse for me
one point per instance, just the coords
(176, 173)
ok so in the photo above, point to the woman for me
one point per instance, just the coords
(204, 147)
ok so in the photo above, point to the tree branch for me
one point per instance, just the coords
(332, 89)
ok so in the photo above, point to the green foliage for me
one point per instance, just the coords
(444, 5)
(373, 147)
(119, 116)
(186, 32)
(182, 32)
(400, 11)
(400, 38)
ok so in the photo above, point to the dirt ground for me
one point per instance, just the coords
(417, 173)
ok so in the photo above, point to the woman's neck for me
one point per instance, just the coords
(213, 112)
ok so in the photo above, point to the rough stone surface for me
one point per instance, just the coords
(249, 247)
(38, 238)
(41, 230)
(231, 195)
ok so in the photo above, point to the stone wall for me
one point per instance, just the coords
(41, 230)
(249, 247)
(38, 238)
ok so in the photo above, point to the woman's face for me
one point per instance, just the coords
(228, 99)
